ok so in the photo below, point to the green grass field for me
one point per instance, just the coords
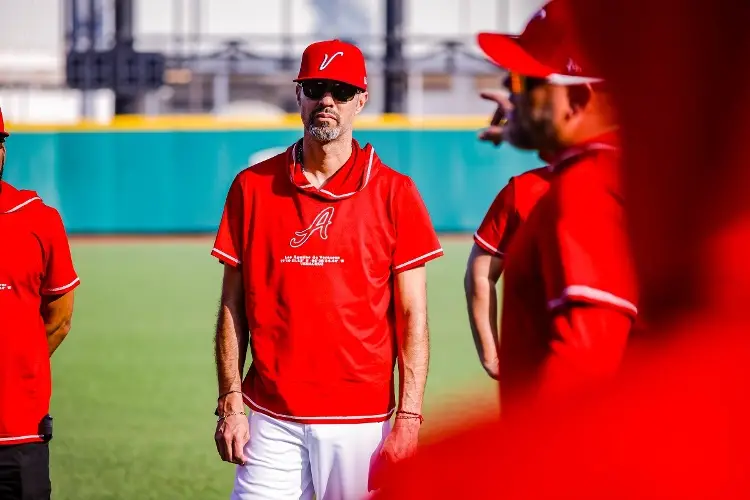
(134, 383)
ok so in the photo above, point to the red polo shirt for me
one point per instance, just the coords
(573, 250)
(510, 209)
(35, 261)
(318, 268)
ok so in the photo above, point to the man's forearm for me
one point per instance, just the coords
(481, 301)
(414, 360)
(231, 348)
(57, 314)
(56, 333)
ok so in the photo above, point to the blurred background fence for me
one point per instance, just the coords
(224, 94)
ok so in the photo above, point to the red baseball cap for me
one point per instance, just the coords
(547, 48)
(333, 60)
(3, 132)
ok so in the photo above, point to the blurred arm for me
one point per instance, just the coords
(483, 271)
(57, 313)
(413, 337)
(232, 338)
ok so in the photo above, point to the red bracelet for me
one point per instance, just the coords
(409, 415)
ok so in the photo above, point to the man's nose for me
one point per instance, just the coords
(327, 100)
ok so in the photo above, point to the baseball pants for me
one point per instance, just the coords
(24, 472)
(291, 461)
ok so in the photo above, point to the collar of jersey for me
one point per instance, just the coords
(605, 142)
(350, 179)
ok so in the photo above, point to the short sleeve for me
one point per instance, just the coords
(500, 222)
(416, 240)
(587, 258)
(229, 240)
(60, 276)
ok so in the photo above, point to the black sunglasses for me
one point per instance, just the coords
(316, 89)
(519, 84)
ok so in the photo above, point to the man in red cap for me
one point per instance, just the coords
(324, 250)
(569, 297)
(37, 280)
(675, 425)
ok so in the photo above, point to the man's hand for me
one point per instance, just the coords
(400, 444)
(233, 431)
(494, 133)
(492, 367)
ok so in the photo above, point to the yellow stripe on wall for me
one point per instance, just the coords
(286, 122)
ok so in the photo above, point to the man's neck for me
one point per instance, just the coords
(321, 161)
(582, 136)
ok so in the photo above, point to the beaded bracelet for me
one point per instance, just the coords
(230, 414)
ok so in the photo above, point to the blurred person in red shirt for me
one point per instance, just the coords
(508, 211)
(37, 280)
(569, 294)
(674, 425)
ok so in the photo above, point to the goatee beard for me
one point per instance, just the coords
(324, 134)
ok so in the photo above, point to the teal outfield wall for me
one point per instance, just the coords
(176, 181)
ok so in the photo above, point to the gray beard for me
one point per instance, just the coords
(324, 134)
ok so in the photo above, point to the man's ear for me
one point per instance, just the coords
(579, 96)
(361, 100)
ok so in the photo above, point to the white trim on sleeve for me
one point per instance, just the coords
(487, 246)
(592, 294)
(226, 255)
(63, 288)
(422, 257)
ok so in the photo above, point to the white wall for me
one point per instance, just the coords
(31, 40)
(31, 36)
(32, 44)
(54, 106)
(324, 18)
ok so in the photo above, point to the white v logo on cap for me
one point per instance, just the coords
(327, 61)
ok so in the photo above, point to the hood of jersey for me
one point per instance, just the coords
(13, 200)
(350, 179)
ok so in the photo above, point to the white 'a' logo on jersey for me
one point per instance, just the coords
(319, 224)
(327, 61)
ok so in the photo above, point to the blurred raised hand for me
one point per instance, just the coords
(494, 133)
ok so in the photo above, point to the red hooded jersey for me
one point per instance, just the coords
(35, 261)
(319, 267)
(572, 251)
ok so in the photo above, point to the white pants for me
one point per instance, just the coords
(288, 460)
